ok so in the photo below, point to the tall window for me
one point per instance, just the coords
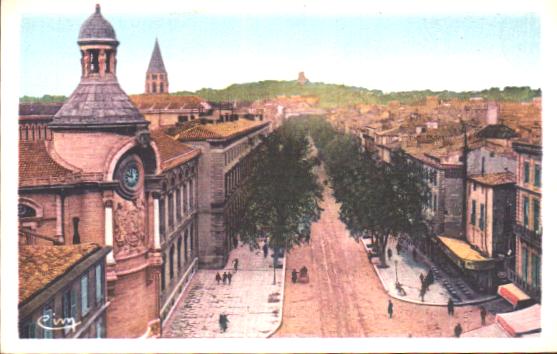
(536, 215)
(162, 222)
(99, 326)
(192, 191)
(73, 303)
(99, 283)
(170, 210)
(537, 175)
(163, 274)
(526, 211)
(483, 165)
(482, 216)
(179, 254)
(84, 295)
(473, 213)
(48, 313)
(67, 306)
(185, 238)
(178, 205)
(185, 198)
(525, 263)
(535, 270)
(171, 256)
(526, 172)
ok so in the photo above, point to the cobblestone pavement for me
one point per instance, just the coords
(245, 301)
(345, 298)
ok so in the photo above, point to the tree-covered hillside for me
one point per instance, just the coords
(332, 95)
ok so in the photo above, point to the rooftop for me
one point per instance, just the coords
(156, 65)
(172, 152)
(40, 265)
(496, 131)
(166, 102)
(39, 109)
(494, 179)
(35, 162)
(96, 27)
(224, 130)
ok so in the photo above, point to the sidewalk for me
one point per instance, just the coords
(251, 302)
(408, 272)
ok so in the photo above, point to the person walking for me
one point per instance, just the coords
(450, 307)
(389, 253)
(457, 330)
(398, 248)
(294, 275)
(229, 278)
(235, 265)
(218, 278)
(483, 314)
(422, 278)
(265, 249)
(224, 278)
(390, 309)
(223, 322)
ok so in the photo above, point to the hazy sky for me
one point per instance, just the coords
(390, 52)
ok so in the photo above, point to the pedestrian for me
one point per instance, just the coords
(218, 278)
(450, 307)
(457, 330)
(398, 248)
(235, 265)
(422, 292)
(223, 322)
(229, 278)
(483, 314)
(265, 249)
(390, 309)
(389, 253)
(414, 254)
(294, 275)
(422, 279)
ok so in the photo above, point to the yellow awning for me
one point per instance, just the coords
(512, 293)
(468, 257)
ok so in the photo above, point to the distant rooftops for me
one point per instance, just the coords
(39, 109)
(168, 102)
(226, 130)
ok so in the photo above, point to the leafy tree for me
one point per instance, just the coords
(282, 193)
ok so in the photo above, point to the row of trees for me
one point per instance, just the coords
(282, 192)
(378, 200)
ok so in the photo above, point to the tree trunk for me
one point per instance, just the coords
(382, 243)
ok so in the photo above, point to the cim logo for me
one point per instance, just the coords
(50, 322)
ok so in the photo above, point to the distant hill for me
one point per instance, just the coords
(332, 95)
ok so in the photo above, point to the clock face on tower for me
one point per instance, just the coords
(129, 175)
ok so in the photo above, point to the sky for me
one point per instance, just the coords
(391, 51)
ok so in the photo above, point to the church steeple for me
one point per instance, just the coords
(156, 80)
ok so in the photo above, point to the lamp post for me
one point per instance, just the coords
(396, 271)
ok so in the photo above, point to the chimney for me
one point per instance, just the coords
(492, 112)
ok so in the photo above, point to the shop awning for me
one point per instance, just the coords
(512, 294)
(462, 253)
(521, 322)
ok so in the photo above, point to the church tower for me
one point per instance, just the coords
(156, 80)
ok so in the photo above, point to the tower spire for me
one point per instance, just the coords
(156, 80)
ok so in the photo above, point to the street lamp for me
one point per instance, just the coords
(396, 271)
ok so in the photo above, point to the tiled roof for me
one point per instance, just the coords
(35, 162)
(156, 65)
(96, 27)
(162, 102)
(98, 102)
(39, 109)
(217, 131)
(40, 265)
(496, 131)
(172, 152)
(495, 179)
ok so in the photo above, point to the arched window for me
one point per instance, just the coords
(25, 211)
(171, 270)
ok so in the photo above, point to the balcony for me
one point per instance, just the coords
(532, 237)
(533, 291)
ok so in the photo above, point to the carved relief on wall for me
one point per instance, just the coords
(129, 226)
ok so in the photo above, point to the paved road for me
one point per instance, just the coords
(344, 297)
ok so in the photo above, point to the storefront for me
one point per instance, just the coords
(478, 270)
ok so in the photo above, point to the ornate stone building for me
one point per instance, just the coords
(156, 80)
(95, 174)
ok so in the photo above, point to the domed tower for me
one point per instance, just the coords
(101, 134)
(156, 80)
